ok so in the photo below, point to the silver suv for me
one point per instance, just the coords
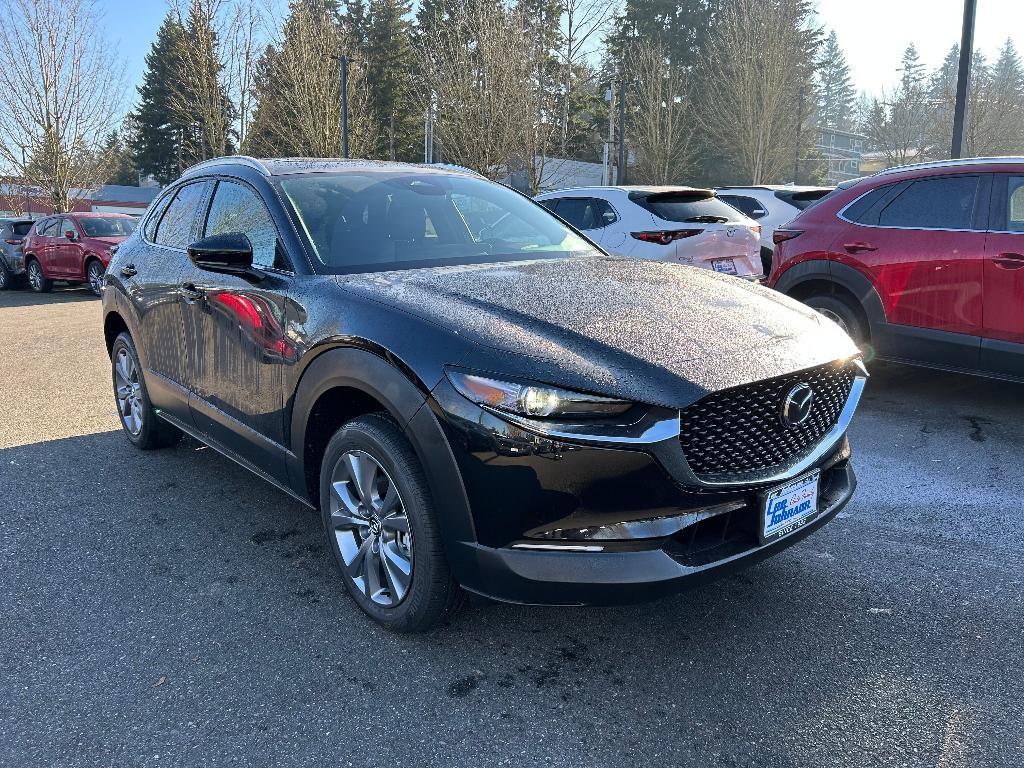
(12, 257)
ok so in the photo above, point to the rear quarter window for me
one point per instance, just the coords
(687, 207)
(21, 228)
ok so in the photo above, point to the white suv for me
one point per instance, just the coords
(771, 206)
(679, 224)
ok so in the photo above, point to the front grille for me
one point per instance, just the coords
(739, 433)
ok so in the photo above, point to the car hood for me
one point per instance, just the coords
(649, 331)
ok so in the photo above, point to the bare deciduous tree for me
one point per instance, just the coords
(585, 20)
(763, 54)
(660, 126)
(303, 79)
(493, 110)
(60, 96)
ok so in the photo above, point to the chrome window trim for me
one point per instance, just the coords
(840, 215)
(828, 442)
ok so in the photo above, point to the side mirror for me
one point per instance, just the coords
(70, 235)
(230, 253)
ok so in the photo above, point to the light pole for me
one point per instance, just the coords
(963, 77)
(620, 175)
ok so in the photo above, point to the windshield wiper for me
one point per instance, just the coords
(706, 219)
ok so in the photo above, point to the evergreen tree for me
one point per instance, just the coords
(837, 94)
(390, 61)
(201, 97)
(157, 144)
(1006, 97)
(681, 27)
(117, 159)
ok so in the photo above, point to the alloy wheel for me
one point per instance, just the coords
(129, 392)
(371, 527)
(95, 275)
(35, 275)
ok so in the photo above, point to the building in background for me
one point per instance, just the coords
(841, 153)
(109, 198)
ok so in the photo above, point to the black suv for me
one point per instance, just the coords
(505, 410)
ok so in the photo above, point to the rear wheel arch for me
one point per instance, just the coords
(113, 326)
(818, 277)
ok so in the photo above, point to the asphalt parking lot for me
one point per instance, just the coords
(170, 609)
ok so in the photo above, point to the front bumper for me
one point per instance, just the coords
(559, 523)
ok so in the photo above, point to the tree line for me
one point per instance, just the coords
(716, 91)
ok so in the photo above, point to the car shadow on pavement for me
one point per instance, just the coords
(176, 577)
(61, 294)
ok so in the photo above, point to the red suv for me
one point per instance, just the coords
(75, 247)
(923, 264)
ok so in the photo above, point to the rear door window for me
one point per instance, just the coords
(585, 212)
(1014, 213)
(179, 224)
(692, 207)
(47, 228)
(748, 206)
(21, 228)
(943, 202)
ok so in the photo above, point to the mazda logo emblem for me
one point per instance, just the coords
(796, 407)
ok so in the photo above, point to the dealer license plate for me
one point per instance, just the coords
(790, 506)
(725, 266)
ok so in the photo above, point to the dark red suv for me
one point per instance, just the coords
(923, 264)
(75, 247)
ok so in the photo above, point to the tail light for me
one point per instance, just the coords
(782, 235)
(14, 242)
(665, 236)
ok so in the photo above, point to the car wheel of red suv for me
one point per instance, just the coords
(841, 313)
(36, 280)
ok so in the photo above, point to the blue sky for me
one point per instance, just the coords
(873, 32)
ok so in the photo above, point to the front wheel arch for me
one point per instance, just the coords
(368, 379)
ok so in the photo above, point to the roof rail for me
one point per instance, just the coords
(950, 164)
(452, 167)
(245, 160)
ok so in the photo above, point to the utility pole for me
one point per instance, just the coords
(344, 60)
(620, 171)
(24, 182)
(963, 78)
(799, 131)
(611, 135)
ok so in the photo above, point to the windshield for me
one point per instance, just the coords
(115, 226)
(373, 221)
(689, 207)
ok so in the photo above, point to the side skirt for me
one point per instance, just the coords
(228, 453)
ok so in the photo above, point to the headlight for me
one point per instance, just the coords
(534, 400)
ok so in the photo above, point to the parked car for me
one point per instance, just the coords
(683, 225)
(74, 247)
(771, 206)
(922, 264)
(520, 416)
(12, 257)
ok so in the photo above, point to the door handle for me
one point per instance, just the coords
(859, 247)
(190, 293)
(128, 270)
(1009, 261)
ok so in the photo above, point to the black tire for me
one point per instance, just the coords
(840, 312)
(95, 281)
(36, 281)
(6, 278)
(432, 596)
(766, 260)
(152, 432)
